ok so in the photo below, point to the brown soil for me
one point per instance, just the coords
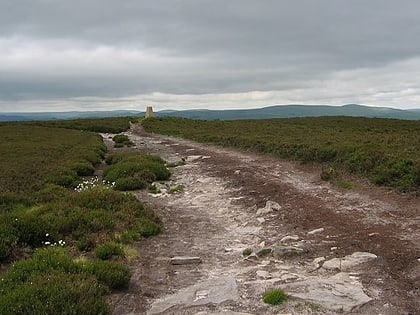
(222, 190)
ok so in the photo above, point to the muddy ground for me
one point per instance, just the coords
(233, 200)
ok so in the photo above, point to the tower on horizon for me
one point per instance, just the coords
(149, 112)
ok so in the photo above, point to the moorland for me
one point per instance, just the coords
(65, 235)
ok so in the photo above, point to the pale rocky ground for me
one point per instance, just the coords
(333, 251)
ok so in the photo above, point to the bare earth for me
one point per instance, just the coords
(234, 200)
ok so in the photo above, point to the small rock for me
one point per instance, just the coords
(261, 220)
(316, 231)
(289, 238)
(269, 206)
(237, 172)
(252, 257)
(263, 274)
(185, 260)
(318, 261)
(333, 248)
(316, 264)
(289, 277)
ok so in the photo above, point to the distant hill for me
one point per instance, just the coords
(286, 111)
(67, 115)
(277, 111)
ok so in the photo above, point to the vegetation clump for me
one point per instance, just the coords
(132, 171)
(274, 296)
(52, 282)
(121, 141)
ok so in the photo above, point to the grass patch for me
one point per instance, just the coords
(345, 185)
(274, 296)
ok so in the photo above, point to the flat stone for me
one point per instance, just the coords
(213, 291)
(316, 231)
(289, 238)
(337, 293)
(185, 260)
(348, 262)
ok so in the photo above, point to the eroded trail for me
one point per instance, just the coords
(333, 251)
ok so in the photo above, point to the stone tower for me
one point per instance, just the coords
(149, 112)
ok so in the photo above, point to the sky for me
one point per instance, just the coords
(60, 55)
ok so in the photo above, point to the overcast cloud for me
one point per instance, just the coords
(58, 55)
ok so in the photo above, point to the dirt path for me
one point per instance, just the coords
(234, 200)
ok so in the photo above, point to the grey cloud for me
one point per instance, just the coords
(119, 48)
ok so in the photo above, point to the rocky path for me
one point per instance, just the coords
(333, 251)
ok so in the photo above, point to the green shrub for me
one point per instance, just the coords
(120, 138)
(109, 250)
(274, 296)
(129, 183)
(148, 227)
(50, 193)
(65, 177)
(83, 169)
(121, 141)
(30, 229)
(110, 273)
(8, 243)
(128, 236)
(133, 171)
(86, 244)
(55, 293)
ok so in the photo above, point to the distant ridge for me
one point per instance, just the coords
(276, 111)
(288, 111)
(67, 115)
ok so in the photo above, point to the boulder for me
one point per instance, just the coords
(348, 262)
